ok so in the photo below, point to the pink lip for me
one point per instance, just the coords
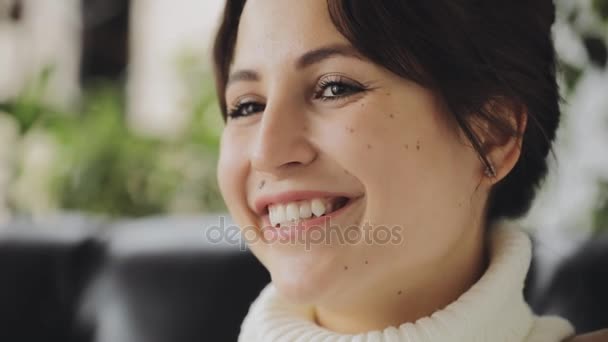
(261, 203)
(273, 233)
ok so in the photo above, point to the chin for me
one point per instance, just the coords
(304, 281)
(307, 292)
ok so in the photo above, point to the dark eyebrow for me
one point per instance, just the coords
(306, 60)
(243, 75)
(323, 53)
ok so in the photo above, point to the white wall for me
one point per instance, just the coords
(48, 34)
(161, 32)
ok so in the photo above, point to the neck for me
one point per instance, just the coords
(435, 288)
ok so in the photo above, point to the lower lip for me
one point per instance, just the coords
(292, 230)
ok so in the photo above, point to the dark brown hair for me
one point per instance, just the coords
(485, 59)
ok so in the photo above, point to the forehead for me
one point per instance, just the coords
(273, 31)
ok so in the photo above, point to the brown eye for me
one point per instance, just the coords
(245, 109)
(335, 90)
(337, 87)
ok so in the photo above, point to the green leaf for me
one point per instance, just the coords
(601, 8)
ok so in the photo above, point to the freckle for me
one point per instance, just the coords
(406, 146)
(345, 268)
(392, 116)
(388, 94)
(352, 130)
(418, 145)
(366, 262)
(369, 146)
(399, 292)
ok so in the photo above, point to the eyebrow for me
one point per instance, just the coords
(306, 60)
(243, 75)
(323, 53)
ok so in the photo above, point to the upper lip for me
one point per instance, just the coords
(261, 203)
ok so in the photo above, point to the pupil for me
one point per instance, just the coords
(336, 89)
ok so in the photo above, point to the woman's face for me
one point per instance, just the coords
(313, 125)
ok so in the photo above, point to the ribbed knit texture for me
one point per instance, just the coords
(493, 309)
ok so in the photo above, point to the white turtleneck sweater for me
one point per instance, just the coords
(492, 310)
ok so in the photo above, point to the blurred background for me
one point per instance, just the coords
(107, 107)
(108, 111)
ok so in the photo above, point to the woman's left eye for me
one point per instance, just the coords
(336, 89)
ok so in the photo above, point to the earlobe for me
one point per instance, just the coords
(490, 170)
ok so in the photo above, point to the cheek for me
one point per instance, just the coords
(361, 139)
(231, 171)
(377, 145)
(402, 152)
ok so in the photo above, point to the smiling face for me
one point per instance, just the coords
(313, 124)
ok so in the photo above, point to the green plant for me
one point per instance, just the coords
(101, 166)
(600, 217)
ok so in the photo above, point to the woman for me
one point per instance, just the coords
(372, 156)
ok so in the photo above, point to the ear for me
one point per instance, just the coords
(503, 151)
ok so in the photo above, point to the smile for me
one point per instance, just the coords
(301, 211)
(290, 229)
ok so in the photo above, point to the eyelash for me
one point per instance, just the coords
(336, 80)
(351, 87)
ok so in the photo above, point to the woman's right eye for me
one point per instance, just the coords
(245, 109)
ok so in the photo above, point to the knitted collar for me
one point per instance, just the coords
(493, 309)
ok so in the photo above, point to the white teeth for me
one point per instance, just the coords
(305, 211)
(318, 207)
(279, 214)
(292, 212)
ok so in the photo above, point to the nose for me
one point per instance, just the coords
(282, 141)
